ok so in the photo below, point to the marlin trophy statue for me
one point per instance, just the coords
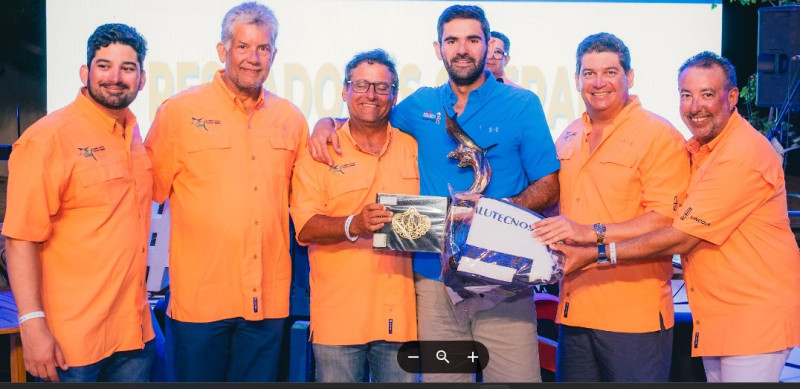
(468, 153)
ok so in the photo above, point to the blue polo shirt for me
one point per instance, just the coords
(496, 113)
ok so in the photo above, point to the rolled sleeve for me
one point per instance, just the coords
(34, 191)
(665, 174)
(716, 207)
(308, 198)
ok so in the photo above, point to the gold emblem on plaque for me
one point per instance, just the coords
(411, 224)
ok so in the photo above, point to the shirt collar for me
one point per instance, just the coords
(103, 119)
(476, 96)
(694, 146)
(234, 99)
(345, 129)
(633, 105)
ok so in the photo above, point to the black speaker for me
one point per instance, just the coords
(778, 56)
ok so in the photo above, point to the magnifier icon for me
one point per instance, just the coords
(442, 356)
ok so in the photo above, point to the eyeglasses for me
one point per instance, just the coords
(498, 54)
(362, 86)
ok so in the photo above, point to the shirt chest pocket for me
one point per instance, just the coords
(348, 191)
(284, 152)
(103, 184)
(203, 143)
(208, 153)
(621, 175)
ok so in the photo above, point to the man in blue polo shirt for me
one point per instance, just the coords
(524, 169)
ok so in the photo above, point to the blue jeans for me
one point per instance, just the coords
(233, 350)
(121, 366)
(347, 363)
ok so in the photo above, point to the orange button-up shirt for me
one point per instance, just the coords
(226, 174)
(358, 294)
(640, 165)
(81, 184)
(743, 278)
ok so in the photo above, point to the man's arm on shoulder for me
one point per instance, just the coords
(42, 353)
(324, 133)
(540, 194)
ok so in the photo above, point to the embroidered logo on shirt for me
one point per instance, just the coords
(428, 115)
(340, 168)
(200, 122)
(694, 218)
(87, 152)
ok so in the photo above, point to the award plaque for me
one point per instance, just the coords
(417, 224)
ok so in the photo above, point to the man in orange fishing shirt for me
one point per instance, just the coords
(223, 154)
(741, 262)
(623, 170)
(78, 221)
(362, 300)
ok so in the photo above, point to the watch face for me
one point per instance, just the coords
(600, 228)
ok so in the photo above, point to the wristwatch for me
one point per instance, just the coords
(600, 230)
(602, 258)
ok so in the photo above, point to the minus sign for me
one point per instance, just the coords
(413, 357)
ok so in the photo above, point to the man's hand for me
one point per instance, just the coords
(576, 257)
(41, 352)
(558, 228)
(372, 218)
(324, 133)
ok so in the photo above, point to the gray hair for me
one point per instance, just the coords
(249, 13)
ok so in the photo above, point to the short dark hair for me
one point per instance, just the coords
(504, 38)
(707, 60)
(373, 56)
(603, 42)
(116, 33)
(463, 12)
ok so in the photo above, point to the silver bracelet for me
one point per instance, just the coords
(30, 315)
(612, 252)
(347, 229)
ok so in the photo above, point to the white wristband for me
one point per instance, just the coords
(30, 315)
(347, 229)
(612, 252)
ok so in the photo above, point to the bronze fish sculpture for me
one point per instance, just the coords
(468, 153)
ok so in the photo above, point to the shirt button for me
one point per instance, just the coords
(254, 289)
(253, 157)
(255, 256)
(691, 289)
(256, 222)
(142, 249)
(255, 188)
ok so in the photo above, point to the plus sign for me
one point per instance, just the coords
(472, 357)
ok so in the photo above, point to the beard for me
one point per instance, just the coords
(112, 101)
(465, 76)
